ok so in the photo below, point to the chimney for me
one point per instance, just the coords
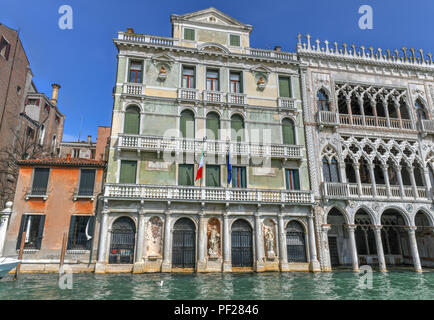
(277, 48)
(89, 141)
(130, 30)
(68, 157)
(55, 93)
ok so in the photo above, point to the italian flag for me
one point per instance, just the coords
(200, 168)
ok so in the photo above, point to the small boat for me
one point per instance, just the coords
(7, 264)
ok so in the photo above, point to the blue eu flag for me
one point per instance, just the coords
(229, 168)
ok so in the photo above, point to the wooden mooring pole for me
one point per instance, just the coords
(62, 254)
(20, 254)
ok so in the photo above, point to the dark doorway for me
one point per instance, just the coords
(242, 253)
(183, 245)
(333, 247)
(123, 241)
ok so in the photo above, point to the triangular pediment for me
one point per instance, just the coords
(211, 16)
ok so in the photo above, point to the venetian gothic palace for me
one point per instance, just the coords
(330, 147)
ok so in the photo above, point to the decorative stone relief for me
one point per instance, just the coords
(154, 238)
(214, 238)
(269, 239)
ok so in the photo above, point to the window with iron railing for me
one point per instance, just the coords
(80, 233)
(33, 225)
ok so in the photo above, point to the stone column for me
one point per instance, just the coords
(359, 183)
(259, 244)
(227, 263)
(428, 185)
(342, 172)
(401, 185)
(350, 111)
(314, 264)
(413, 181)
(371, 167)
(201, 252)
(413, 246)
(355, 260)
(380, 252)
(167, 264)
(386, 112)
(282, 244)
(139, 264)
(4, 221)
(102, 243)
(324, 235)
(386, 180)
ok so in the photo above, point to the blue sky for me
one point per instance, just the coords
(83, 60)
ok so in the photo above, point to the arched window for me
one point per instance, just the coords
(323, 101)
(132, 120)
(237, 128)
(342, 104)
(212, 126)
(122, 241)
(295, 242)
(288, 131)
(330, 170)
(187, 124)
(420, 110)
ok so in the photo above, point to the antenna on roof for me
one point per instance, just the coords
(81, 127)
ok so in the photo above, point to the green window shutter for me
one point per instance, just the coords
(239, 177)
(23, 225)
(189, 34)
(212, 176)
(128, 172)
(296, 180)
(185, 175)
(288, 132)
(132, 121)
(40, 181)
(187, 124)
(212, 126)
(284, 87)
(40, 231)
(87, 181)
(237, 128)
(234, 40)
(72, 237)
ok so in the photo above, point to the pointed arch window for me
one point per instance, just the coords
(288, 131)
(132, 120)
(187, 124)
(420, 110)
(330, 170)
(323, 101)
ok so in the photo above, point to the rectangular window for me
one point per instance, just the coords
(212, 176)
(234, 40)
(189, 34)
(128, 172)
(292, 179)
(33, 225)
(285, 87)
(239, 177)
(5, 48)
(235, 82)
(212, 80)
(76, 153)
(87, 182)
(40, 181)
(80, 234)
(188, 78)
(92, 154)
(135, 74)
(186, 175)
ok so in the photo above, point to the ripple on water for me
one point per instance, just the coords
(297, 285)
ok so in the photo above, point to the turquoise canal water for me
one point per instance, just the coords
(336, 285)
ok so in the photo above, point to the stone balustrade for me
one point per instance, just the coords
(427, 126)
(207, 194)
(152, 143)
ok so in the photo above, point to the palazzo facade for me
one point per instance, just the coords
(369, 125)
(205, 91)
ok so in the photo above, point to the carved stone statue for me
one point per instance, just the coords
(269, 242)
(214, 242)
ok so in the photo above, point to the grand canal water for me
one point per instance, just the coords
(336, 285)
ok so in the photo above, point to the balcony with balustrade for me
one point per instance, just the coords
(239, 99)
(131, 142)
(205, 194)
(346, 191)
(375, 122)
(133, 89)
(286, 104)
(188, 94)
(427, 127)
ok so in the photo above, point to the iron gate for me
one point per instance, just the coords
(123, 240)
(295, 242)
(333, 249)
(242, 253)
(183, 245)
